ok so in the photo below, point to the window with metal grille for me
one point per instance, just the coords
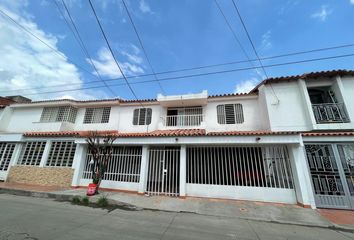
(240, 166)
(32, 153)
(123, 167)
(6, 151)
(230, 113)
(142, 116)
(61, 154)
(59, 114)
(97, 115)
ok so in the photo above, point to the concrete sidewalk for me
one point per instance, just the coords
(259, 211)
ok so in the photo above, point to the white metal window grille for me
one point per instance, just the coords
(61, 154)
(59, 114)
(32, 153)
(6, 151)
(97, 115)
(239, 166)
(142, 116)
(230, 114)
(163, 172)
(191, 116)
(123, 167)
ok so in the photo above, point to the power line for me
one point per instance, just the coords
(142, 46)
(209, 73)
(81, 43)
(199, 67)
(110, 49)
(45, 43)
(253, 47)
(234, 34)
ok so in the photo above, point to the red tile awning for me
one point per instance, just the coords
(319, 134)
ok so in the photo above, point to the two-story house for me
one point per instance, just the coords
(289, 140)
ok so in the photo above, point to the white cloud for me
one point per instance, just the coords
(144, 7)
(27, 63)
(323, 13)
(266, 40)
(107, 67)
(246, 86)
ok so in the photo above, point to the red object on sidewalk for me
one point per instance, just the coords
(91, 190)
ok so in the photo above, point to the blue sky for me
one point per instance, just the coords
(176, 35)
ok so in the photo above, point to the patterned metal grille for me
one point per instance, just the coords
(239, 166)
(346, 152)
(32, 153)
(123, 167)
(230, 114)
(142, 116)
(61, 154)
(324, 170)
(6, 151)
(59, 114)
(97, 115)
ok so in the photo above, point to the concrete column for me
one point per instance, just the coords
(182, 171)
(144, 169)
(308, 105)
(45, 153)
(78, 163)
(301, 175)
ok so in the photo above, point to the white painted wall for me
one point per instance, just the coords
(286, 107)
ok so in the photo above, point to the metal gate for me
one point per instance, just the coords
(332, 168)
(163, 172)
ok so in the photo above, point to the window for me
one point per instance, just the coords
(142, 116)
(6, 151)
(124, 166)
(230, 114)
(32, 153)
(97, 115)
(61, 154)
(59, 114)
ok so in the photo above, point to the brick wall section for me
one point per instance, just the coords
(44, 176)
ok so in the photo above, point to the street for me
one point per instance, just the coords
(37, 218)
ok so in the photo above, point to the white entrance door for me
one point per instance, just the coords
(6, 152)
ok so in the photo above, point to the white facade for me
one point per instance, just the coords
(274, 116)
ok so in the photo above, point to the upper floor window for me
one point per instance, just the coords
(97, 115)
(59, 114)
(230, 113)
(142, 116)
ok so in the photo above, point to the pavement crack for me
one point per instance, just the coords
(169, 225)
(254, 231)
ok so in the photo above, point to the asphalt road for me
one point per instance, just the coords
(35, 218)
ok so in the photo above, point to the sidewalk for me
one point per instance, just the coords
(259, 211)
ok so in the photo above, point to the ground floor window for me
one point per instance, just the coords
(267, 166)
(61, 154)
(6, 151)
(32, 153)
(123, 167)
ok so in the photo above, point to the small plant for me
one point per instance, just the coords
(75, 200)
(102, 201)
(85, 201)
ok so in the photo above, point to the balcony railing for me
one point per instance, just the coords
(183, 120)
(330, 113)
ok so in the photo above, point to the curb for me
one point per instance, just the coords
(126, 206)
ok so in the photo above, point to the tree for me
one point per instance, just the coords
(100, 147)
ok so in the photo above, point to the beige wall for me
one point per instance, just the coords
(45, 176)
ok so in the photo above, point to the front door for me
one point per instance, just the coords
(331, 168)
(163, 171)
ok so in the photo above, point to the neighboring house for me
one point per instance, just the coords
(289, 140)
